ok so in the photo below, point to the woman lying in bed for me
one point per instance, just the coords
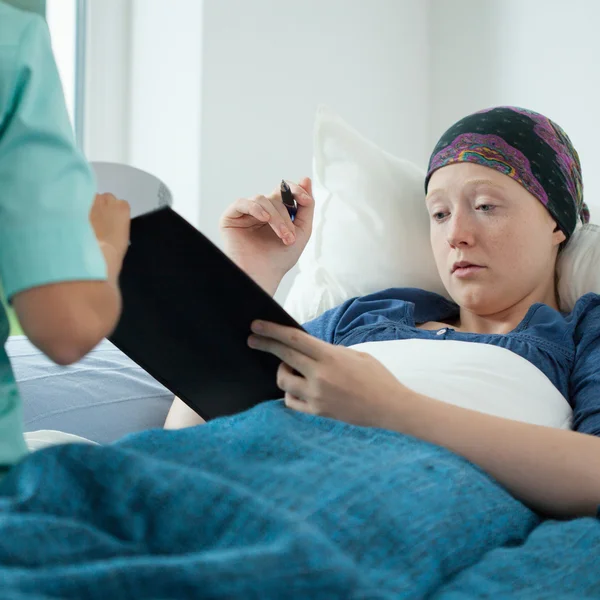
(417, 477)
(504, 193)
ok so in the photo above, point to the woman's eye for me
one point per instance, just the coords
(486, 207)
(438, 216)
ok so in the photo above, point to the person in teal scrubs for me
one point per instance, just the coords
(61, 246)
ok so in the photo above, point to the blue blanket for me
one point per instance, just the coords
(276, 504)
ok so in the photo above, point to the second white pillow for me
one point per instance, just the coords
(371, 226)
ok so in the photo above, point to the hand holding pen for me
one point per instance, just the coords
(265, 235)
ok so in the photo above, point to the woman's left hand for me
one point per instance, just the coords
(331, 381)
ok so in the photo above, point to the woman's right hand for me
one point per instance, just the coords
(111, 218)
(260, 235)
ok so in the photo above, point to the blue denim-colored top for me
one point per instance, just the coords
(565, 347)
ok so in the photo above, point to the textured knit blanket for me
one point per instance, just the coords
(276, 504)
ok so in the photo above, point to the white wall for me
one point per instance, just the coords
(61, 16)
(107, 91)
(218, 97)
(266, 66)
(539, 54)
(165, 98)
(144, 73)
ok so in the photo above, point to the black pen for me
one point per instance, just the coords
(288, 199)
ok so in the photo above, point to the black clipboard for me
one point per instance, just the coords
(187, 310)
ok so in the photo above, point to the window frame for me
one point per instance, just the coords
(74, 52)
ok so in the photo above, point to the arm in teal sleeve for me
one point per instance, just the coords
(46, 185)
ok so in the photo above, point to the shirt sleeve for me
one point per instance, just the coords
(46, 185)
(324, 327)
(338, 325)
(585, 378)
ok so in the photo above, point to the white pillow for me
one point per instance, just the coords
(578, 266)
(481, 377)
(371, 228)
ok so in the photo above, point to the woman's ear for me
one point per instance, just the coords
(558, 236)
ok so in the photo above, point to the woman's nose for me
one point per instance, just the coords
(461, 229)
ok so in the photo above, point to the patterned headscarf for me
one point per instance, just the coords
(526, 146)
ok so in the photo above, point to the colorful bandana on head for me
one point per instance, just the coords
(526, 146)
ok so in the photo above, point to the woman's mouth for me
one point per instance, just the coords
(464, 269)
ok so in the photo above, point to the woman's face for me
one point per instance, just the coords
(494, 243)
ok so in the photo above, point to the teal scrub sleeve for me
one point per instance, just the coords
(46, 185)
